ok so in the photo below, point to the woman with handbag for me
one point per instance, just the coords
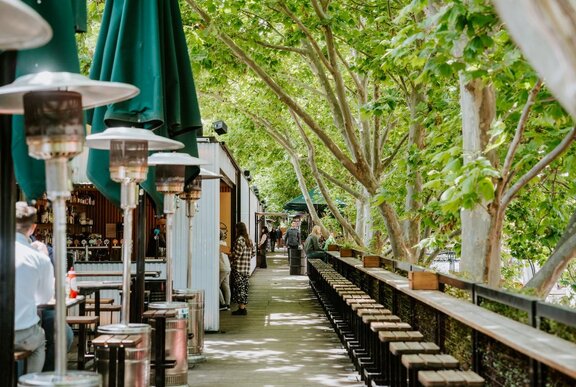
(242, 252)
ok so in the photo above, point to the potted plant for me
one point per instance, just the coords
(346, 250)
(332, 247)
(371, 261)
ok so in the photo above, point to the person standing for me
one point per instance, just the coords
(273, 238)
(292, 240)
(262, 247)
(34, 285)
(279, 237)
(224, 273)
(242, 253)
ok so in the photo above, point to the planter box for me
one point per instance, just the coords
(423, 280)
(346, 252)
(371, 261)
(333, 248)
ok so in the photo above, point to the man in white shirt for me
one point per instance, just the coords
(34, 285)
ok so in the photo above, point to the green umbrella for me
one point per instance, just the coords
(299, 203)
(60, 54)
(143, 43)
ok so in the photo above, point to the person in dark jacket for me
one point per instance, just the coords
(312, 244)
(273, 238)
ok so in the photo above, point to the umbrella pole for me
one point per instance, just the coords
(7, 230)
(128, 194)
(56, 188)
(190, 212)
(169, 210)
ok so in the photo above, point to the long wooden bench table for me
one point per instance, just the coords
(543, 347)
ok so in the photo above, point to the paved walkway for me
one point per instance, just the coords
(285, 340)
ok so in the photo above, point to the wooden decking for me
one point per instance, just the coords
(285, 340)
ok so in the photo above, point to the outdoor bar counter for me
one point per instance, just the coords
(556, 354)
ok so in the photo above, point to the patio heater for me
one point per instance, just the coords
(170, 174)
(129, 166)
(52, 104)
(194, 298)
(20, 28)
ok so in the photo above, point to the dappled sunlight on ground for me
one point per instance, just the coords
(285, 340)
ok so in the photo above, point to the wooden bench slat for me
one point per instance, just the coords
(101, 340)
(452, 377)
(430, 379)
(104, 308)
(92, 301)
(472, 378)
(132, 340)
(82, 319)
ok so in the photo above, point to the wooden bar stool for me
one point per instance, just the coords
(82, 322)
(450, 378)
(398, 349)
(20, 356)
(117, 345)
(160, 363)
(425, 362)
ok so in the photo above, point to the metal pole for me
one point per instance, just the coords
(128, 203)
(190, 212)
(57, 188)
(140, 259)
(169, 210)
(7, 230)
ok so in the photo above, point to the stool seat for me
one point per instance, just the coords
(159, 313)
(102, 301)
(450, 378)
(375, 319)
(362, 309)
(413, 347)
(104, 308)
(117, 340)
(82, 319)
(429, 361)
(21, 355)
(390, 336)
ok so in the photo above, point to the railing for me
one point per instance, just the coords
(535, 308)
(502, 359)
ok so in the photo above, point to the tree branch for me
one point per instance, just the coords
(308, 34)
(344, 106)
(547, 160)
(314, 168)
(395, 152)
(342, 185)
(280, 48)
(520, 128)
(335, 107)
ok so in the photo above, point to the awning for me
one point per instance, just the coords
(299, 203)
(143, 43)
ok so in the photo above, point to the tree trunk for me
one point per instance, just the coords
(492, 270)
(478, 110)
(399, 249)
(304, 190)
(552, 269)
(414, 184)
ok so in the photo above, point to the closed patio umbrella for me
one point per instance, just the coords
(143, 43)
(60, 54)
